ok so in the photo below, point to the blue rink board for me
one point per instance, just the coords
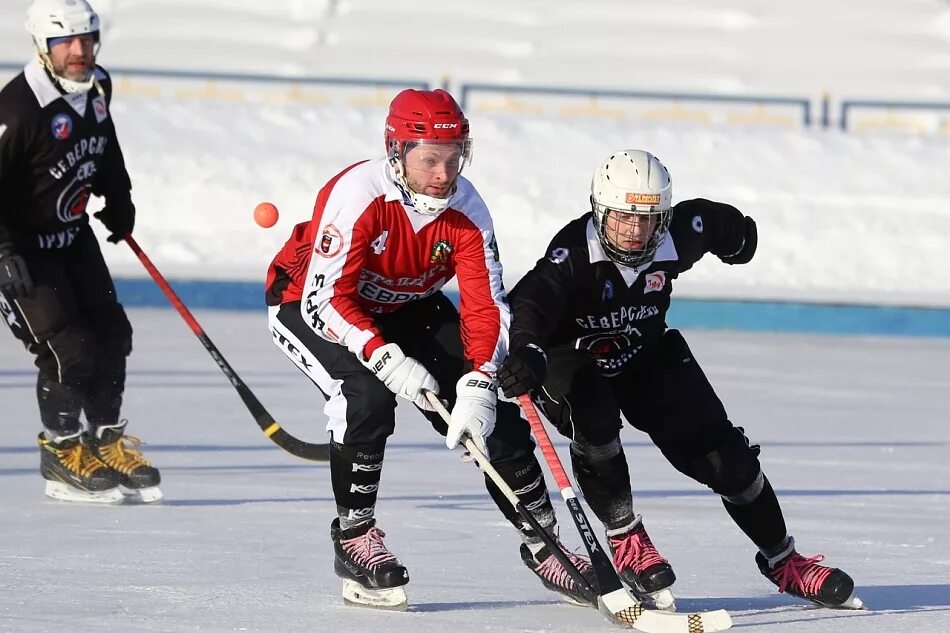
(766, 316)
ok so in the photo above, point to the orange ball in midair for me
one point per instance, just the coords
(266, 215)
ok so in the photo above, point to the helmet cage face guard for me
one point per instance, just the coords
(632, 257)
(398, 149)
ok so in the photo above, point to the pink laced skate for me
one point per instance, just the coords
(801, 576)
(554, 575)
(635, 551)
(368, 549)
(552, 569)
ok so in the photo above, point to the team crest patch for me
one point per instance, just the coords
(608, 292)
(99, 108)
(440, 252)
(62, 127)
(330, 243)
(558, 255)
(654, 282)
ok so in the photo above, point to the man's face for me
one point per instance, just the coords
(431, 169)
(629, 232)
(74, 58)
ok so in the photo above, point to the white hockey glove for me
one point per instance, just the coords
(405, 376)
(474, 413)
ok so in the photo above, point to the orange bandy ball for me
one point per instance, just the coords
(265, 214)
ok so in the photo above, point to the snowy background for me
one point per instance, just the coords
(854, 430)
(843, 217)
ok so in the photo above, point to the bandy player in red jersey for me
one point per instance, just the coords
(354, 300)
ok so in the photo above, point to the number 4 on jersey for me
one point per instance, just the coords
(379, 244)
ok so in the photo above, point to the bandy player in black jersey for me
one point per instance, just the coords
(354, 300)
(589, 341)
(58, 147)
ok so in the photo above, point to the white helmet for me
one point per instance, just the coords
(47, 19)
(632, 182)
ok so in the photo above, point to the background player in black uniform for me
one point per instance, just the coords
(58, 146)
(589, 340)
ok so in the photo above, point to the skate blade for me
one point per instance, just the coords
(853, 602)
(152, 494)
(62, 492)
(356, 595)
(661, 600)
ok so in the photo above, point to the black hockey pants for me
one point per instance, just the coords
(362, 409)
(77, 331)
(663, 393)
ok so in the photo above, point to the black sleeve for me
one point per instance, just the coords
(10, 151)
(540, 299)
(113, 180)
(720, 227)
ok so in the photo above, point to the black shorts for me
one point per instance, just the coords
(74, 322)
(360, 408)
(664, 394)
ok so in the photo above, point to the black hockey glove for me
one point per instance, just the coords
(15, 280)
(749, 244)
(524, 370)
(118, 216)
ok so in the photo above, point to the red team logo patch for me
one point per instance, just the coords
(654, 282)
(331, 242)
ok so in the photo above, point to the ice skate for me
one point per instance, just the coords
(641, 567)
(372, 575)
(73, 472)
(804, 578)
(115, 449)
(555, 577)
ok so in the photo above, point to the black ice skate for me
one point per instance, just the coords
(73, 472)
(114, 449)
(555, 577)
(372, 575)
(641, 567)
(804, 578)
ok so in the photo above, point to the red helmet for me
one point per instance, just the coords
(420, 115)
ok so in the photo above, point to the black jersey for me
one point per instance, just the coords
(576, 296)
(55, 151)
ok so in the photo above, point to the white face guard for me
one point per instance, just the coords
(631, 197)
(426, 171)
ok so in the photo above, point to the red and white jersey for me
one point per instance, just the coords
(364, 253)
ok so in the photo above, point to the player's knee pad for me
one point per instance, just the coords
(590, 453)
(113, 330)
(732, 470)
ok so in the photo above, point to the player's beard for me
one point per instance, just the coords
(68, 69)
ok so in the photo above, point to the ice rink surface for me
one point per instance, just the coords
(855, 440)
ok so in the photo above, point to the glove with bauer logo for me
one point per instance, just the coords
(474, 412)
(406, 377)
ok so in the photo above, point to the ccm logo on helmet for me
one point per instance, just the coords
(443, 126)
